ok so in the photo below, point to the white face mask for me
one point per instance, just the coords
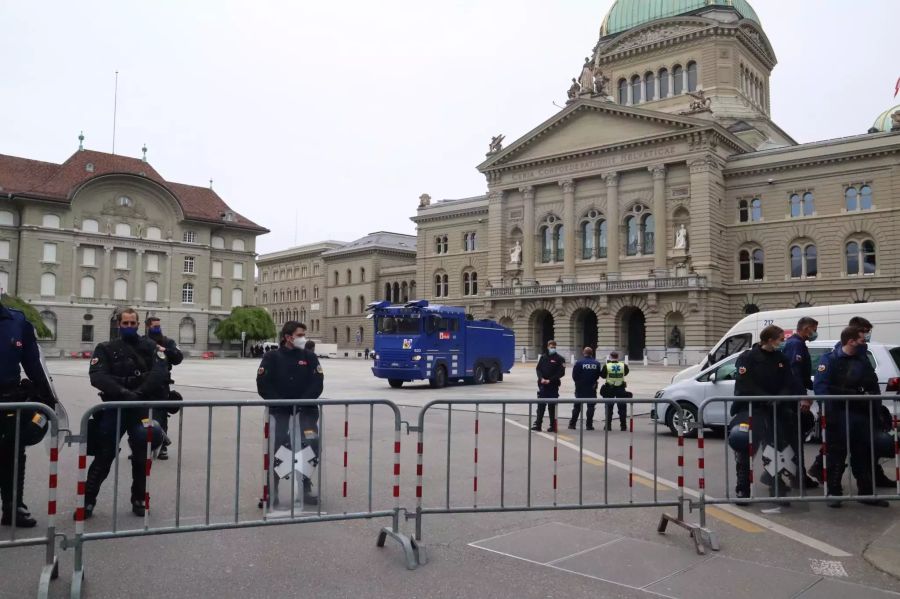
(300, 342)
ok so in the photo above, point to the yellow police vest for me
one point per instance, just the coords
(615, 373)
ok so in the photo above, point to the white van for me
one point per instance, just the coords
(884, 316)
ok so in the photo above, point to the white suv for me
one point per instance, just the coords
(718, 381)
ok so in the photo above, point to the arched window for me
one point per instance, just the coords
(336, 280)
(756, 210)
(796, 262)
(623, 91)
(316, 292)
(743, 211)
(439, 284)
(865, 197)
(335, 307)
(387, 292)
(237, 245)
(546, 244)
(663, 83)
(303, 293)
(48, 284)
(51, 221)
(215, 296)
(187, 331)
(445, 286)
(649, 86)
(218, 243)
(404, 292)
(265, 297)
(412, 289)
(751, 264)
(87, 287)
(49, 320)
(470, 283)
(348, 305)
(692, 76)
(559, 243)
(151, 291)
(796, 205)
(211, 334)
(587, 239)
(396, 290)
(349, 276)
(811, 260)
(861, 258)
(648, 230)
(751, 309)
(804, 261)
(636, 89)
(851, 199)
(348, 334)
(631, 236)
(362, 304)
(809, 204)
(677, 80)
(362, 275)
(601, 239)
(187, 293)
(758, 265)
(89, 225)
(802, 205)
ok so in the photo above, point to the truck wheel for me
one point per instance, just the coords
(493, 374)
(478, 377)
(395, 383)
(440, 378)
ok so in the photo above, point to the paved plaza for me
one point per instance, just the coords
(803, 551)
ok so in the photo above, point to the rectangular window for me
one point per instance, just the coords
(217, 268)
(188, 265)
(215, 296)
(4, 249)
(49, 252)
(190, 237)
(152, 262)
(87, 333)
(238, 272)
(121, 259)
(89, 257)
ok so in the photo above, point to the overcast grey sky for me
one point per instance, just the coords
(347, 111)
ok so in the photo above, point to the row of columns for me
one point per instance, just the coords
(570, 225)
(657, 90)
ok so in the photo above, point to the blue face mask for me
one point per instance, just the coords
(551, 350)
(156, 330)
(813, 336)
(869, 337)
(128, 332)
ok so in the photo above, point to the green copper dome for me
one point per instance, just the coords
(627, 14)
(884, 122)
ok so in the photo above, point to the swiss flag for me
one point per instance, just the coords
(897, 88)
(443, 335)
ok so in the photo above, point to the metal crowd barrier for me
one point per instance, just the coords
(499, 503)
(235, 521)
(772, 414)
(47, 538)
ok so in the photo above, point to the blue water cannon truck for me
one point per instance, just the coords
(440, 344)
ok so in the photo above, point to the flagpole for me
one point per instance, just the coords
(115, 107)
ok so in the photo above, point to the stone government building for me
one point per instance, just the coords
(81, 239)
(663, 195)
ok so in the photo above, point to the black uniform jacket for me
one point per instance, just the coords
(586, 373)
(290, 373)
(120, 369)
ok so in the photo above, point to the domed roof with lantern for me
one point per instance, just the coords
(628, 14)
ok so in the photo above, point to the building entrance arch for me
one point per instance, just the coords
(633, 325)
(584, 324)
(542, 330)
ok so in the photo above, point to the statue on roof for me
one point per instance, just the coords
(496, 143)
(573, 89)
(700, 102)
(424, 200)
(600, 82)
(586, 80)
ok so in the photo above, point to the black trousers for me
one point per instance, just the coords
(576, 411)
(608, 391)
(9, 477)
(108, 446)
(865, 438)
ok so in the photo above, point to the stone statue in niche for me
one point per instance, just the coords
(681, 237)
(515, 254)
(675, 338)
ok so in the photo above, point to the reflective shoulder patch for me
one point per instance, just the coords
(162, 354)
(319, 369)
(261, 371)
(95, 361)
(822, 368)
(742, 370)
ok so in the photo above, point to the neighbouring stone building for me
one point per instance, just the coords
(662, 203)
(82, 239)
(327, 285)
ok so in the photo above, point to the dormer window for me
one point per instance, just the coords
(124, 201)
(228, 217)
(89, 167)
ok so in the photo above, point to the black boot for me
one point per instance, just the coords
(309, 498)
(137, 507)
(623, 425)
(742, 476)
(864, 487)
(573, 425)
(23, 517)
(815, 471)
(589, 426)
(96, 474)
(536, 426)
(835, 486)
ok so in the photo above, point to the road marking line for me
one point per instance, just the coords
(734, 511)
(564, 437)
(734, 521)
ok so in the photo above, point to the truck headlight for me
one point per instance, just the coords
(417, 358)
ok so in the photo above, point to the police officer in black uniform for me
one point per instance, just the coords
(797, 353)
(174, 357)
(551, 367)
(841, 372)
(615, 387)
(18, 345)
(761, 371)
(293, 372)
(129, 368)
(585, 373)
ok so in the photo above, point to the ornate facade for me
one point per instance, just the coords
(83, 239)
(662, 204)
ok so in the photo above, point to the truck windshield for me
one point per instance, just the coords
(398, 325)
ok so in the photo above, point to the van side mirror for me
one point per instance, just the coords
(713, 376)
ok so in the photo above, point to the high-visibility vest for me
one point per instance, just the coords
(615, 373)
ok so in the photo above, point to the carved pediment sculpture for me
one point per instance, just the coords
(650, 36)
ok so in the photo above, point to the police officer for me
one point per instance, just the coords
(551, 367)
(129, 368)
(18, 345)
(585, 373)
(762, 370)
(153, 331)
(614, 372)
(293, 372)
(841, 372)
(797, 354)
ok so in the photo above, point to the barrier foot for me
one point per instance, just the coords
(77, 584)
(48, 572)
(702, 537)
(421, 552)
(405, 542)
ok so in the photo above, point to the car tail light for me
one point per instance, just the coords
(893, 384)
